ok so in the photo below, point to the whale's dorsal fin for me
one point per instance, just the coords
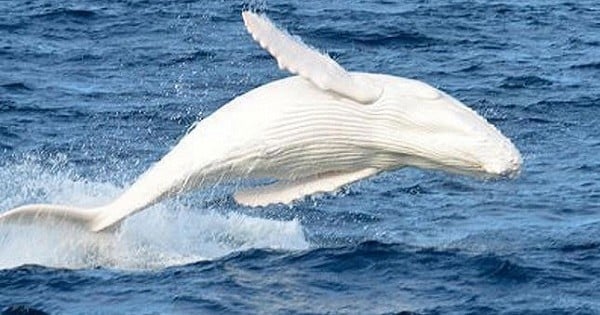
(298, 58)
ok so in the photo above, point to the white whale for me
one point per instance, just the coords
(314, 132)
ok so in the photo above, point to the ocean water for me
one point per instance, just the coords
(93, 92)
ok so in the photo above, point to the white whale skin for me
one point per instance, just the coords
(311, 133)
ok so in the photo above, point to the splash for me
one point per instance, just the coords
(171, 233)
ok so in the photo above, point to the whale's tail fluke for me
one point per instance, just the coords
(92, 219)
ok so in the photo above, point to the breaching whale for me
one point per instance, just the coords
(313, 132)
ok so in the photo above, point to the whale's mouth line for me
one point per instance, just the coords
(481, 172)
(467, 168)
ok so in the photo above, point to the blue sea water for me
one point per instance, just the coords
(92, 92)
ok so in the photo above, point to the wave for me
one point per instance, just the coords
(171, 233)
(68, 13)
(182, 58)
(391, 37)
(377, 256)
(585, 101)
(526, 81)
(22, 310)
(587, 66)
(16, 86)
(411, 190)
(496, 268)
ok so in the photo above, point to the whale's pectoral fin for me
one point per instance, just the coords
(298, 58)
(288, 191)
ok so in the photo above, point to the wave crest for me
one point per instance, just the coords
(171, 233)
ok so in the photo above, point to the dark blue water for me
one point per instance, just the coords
(91, 93)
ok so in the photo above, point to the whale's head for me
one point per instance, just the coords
(412, 123)
(425, 127)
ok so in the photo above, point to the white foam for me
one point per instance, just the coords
(170, 233)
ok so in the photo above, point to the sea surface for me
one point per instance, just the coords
(93, 92)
